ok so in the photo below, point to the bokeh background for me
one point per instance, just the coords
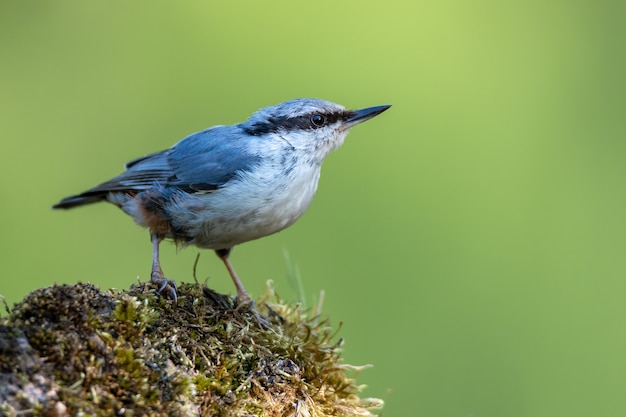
(471, 239)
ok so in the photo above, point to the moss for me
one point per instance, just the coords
(77, 350)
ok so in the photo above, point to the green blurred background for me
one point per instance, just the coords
(471, 239)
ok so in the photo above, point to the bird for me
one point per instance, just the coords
(229, 184)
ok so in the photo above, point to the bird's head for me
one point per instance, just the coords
(310, 125)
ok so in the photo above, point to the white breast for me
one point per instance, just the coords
(255, 205)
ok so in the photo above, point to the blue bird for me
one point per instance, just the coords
(230, 184)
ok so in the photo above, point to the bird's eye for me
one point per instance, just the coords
(318, 120)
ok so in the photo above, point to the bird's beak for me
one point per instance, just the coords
(358, 116)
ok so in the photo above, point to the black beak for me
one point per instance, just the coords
(358, 116)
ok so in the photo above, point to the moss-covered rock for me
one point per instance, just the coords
(77, 350)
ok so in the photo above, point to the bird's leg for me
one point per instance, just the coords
(242, 294)
(157, 276)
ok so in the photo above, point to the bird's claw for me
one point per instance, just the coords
(247, 305)
(167, 285)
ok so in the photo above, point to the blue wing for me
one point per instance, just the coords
(203, 161)
(207, 160)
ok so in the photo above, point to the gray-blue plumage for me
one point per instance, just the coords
(230, 184)
(207, 160)
(202, 161)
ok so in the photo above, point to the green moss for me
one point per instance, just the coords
(101, 353)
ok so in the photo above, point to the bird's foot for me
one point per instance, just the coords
(247, 306)
(243, 297)
(167, 285)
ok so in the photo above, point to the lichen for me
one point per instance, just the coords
(77, 350)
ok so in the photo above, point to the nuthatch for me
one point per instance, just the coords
(230, 184)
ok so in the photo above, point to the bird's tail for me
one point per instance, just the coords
(80, 200)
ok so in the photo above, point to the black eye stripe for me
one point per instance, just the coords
(278, 124)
